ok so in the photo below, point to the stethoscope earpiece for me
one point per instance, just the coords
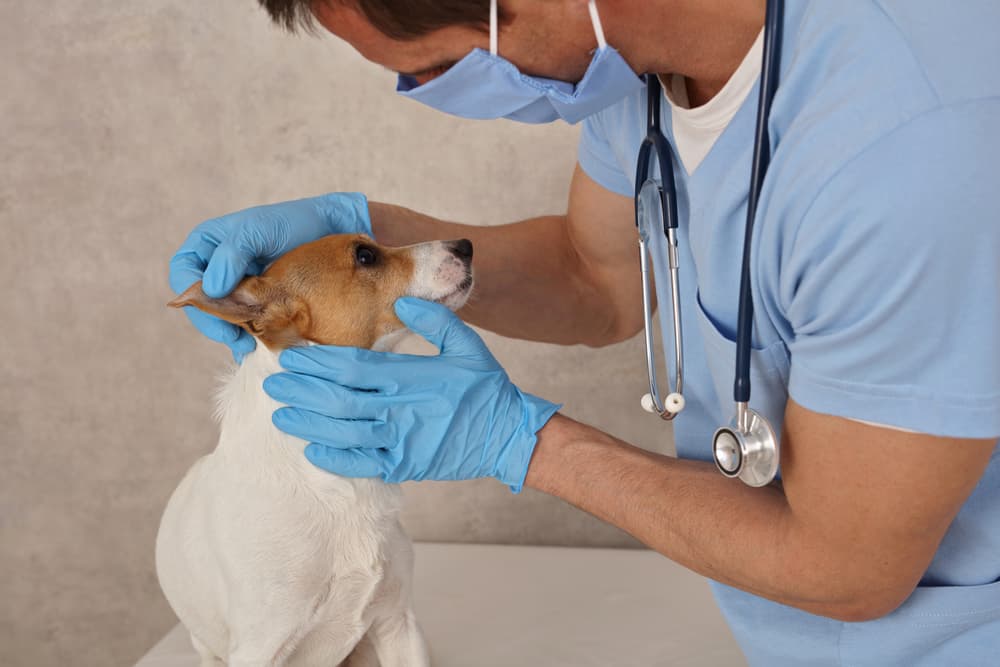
(674, 403)
(671, 407)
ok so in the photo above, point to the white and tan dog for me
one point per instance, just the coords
(266, 559)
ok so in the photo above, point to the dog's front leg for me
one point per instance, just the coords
(399, 642)
(332, 647)
(270, 634)
(207, 656)
(334, 650)
(363, 655)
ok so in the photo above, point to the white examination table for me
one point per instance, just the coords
(503, 606)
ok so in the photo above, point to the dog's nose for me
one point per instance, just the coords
(462, 249)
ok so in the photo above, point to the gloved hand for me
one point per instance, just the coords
(403, 417)
(221, 251)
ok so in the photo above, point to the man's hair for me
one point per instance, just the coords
(398, 19)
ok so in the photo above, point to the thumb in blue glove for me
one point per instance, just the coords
(403, 417)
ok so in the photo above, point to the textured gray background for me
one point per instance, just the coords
(123, 124)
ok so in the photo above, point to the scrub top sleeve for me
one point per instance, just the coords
(891, 283)
(598, 159)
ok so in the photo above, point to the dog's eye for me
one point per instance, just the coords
(366, 256)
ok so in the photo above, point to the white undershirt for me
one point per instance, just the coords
(696, 130)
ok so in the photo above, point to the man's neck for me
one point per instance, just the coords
(703, 40)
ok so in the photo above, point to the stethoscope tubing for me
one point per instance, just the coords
(655, 143)
(747, 448)
(770, 70)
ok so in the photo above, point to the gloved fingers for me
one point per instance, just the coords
(333, 432)
(239, 355)
(343, 212)
(441, 327)
(212, 327)
(345, 462)
(256, 237)
(347, 366)
(256, 268)
(186, 268)
(326, 397)
(242, 346)
(227, 267)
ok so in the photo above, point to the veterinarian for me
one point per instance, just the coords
(875, 277)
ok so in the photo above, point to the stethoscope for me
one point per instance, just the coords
(747, 447)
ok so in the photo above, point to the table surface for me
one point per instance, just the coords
(500, 605)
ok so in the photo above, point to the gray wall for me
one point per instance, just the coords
(123, 124)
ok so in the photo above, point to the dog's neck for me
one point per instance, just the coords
(244, 411)
(251, 443)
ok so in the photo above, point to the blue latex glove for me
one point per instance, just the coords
(221, 251)
(404, 417)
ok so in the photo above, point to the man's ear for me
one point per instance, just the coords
(259, 305)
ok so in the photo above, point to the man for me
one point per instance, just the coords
(876, 263)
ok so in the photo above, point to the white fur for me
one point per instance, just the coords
(268, 560)
(438, 275)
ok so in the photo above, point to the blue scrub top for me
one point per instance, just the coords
(876, 276)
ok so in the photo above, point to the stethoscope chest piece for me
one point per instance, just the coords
(747, 448)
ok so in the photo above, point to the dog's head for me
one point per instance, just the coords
(340, 290)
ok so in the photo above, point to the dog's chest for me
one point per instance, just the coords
(265, 468)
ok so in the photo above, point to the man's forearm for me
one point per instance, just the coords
(529, 282)
(686, 510)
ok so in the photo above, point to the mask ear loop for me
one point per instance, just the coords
(595, 20)
(493, 28)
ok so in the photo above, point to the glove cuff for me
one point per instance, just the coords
(346, 213)
(536, 413)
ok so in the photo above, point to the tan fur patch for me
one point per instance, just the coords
(318, 292)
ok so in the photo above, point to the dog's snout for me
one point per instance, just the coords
(462, 249)
(443, 271)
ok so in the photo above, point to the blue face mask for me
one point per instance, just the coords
(485, 86)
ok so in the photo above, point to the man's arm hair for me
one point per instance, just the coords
(566, 279)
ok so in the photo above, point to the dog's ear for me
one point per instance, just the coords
(259, 305)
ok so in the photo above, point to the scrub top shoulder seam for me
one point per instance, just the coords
(909, 47)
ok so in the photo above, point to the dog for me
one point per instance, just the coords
(266, 559)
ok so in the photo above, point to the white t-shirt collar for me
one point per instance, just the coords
(696, 130)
